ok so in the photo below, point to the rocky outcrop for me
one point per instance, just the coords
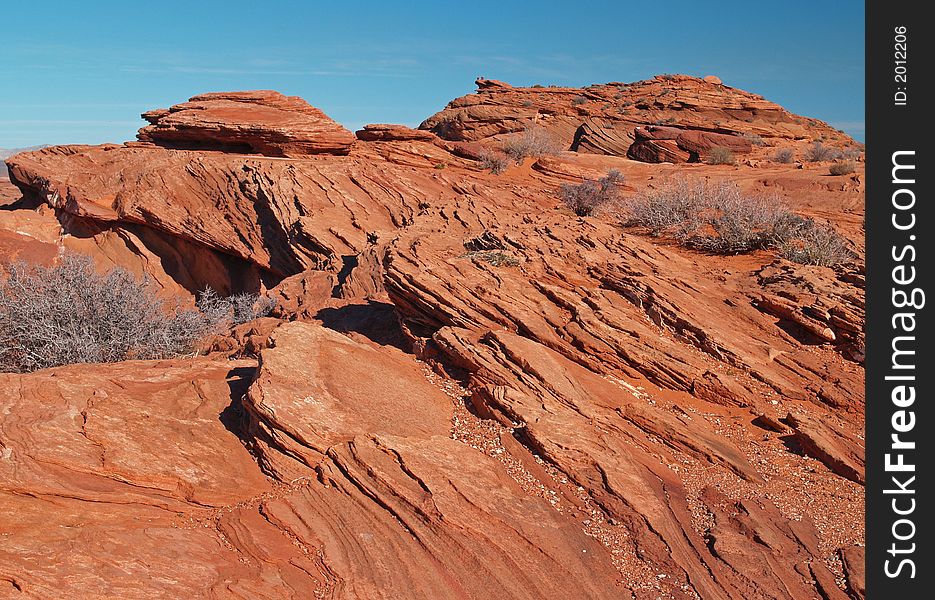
(465, 390)
(119, 475)
(256, 122)
(829, 444)
(379, 132)
(364, 476)
(672, 144)
(603, 119)
(267, 219)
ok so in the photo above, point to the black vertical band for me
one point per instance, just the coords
(900, 226)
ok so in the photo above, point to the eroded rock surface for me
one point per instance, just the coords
(261, 122)
(609, 118)
(465, 390)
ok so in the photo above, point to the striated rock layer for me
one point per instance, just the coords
(259, 122)
(465, 391)
(607, 118)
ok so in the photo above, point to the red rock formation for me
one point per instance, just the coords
(672, 144)
(380, 132)
(258, 122)
(603, 119)
(485, 396)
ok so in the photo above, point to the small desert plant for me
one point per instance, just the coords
(534, 142)
(818, 152)
(817, 245)
(718, 217)
(720, 155)
(233, 310)
(672, 209)
(578, 100)
(754, 139)
(784, 155)
(842, 168)
(851, 153)
(742, 223)
(494, 161)
(69, 313)
(497, 258)
(440, 166)
(589, 195)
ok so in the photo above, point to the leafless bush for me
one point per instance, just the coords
(742, 223)
(495, 162)
(784, 155)
(534, 141)
(851, 153)
(235, 309)
(578, 100)
(718, 217)
(818, 152)
(69, 313)
(587, 196)
(673, 209)
(842, 168)
(720, 155)
(754, 138)
(817, 245)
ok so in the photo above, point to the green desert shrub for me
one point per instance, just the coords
(69, 313)
(497, 258)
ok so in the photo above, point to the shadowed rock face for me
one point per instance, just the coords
(466, 391)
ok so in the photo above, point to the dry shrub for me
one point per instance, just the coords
(784, 155)
(842, 168)
(718, 217)
(589, 195)
(817, 245)
(534, 142)
(818, 152)
(720, 155)
(754, 138)
(68, 313)
(494, 161)
(851, 153)
(235, 309)
(670, 210)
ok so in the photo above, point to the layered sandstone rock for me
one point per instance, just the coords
(474, 392)
(381, 132)
(604, 119)
(256, 122)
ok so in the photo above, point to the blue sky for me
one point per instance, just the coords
(82, 72)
